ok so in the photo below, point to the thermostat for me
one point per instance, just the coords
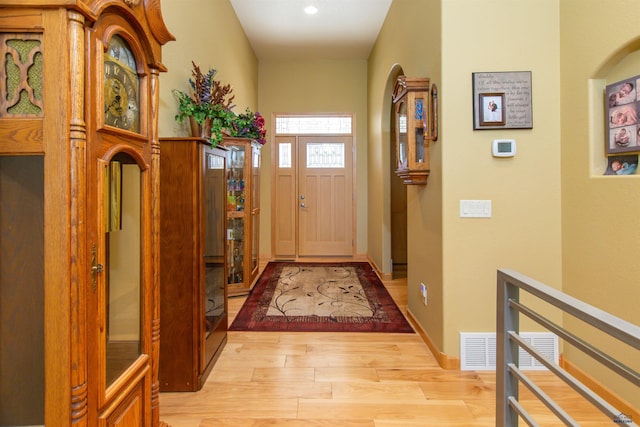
(504, 147)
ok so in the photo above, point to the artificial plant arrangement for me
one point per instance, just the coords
(209, 104)
(249, 125)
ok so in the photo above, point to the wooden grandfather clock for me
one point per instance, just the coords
(79, 179)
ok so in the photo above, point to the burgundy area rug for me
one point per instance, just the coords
(320, 297)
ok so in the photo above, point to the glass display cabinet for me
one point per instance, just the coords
(415, 126)
(243, 213)
(193, 274)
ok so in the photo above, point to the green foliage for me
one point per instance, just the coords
(208, 100)
(249, 125)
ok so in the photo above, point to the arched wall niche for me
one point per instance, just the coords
(621, 65)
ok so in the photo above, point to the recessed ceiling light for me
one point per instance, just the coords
(311, 10)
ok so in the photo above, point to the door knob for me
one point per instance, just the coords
(302, 205)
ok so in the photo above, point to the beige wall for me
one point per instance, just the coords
(319, 86)
(523, 233)
(417, 54)
(207, 32)
(600, 45)
(457, 258)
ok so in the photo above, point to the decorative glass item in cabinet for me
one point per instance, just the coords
(235, 257)
(416, 124)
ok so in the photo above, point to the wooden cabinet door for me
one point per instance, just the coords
(243, 213)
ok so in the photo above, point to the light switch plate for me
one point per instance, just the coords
(475, 208)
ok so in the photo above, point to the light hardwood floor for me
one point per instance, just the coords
(351, 380)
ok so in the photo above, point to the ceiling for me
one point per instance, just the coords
(341, 29)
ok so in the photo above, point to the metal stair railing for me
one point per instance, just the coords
(508, 342)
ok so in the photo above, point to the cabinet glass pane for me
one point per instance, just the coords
(254, 246)
(420, 125)
(214, 234)
(236, 181)
(419, 145)
(235, 236)
(22, 290)
(255, 179)
(236, 157)
(123, 265)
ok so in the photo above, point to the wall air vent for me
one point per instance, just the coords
(478, 350)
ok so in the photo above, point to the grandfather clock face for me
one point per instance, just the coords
(121, 87)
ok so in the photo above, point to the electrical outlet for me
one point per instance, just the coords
(423, 292)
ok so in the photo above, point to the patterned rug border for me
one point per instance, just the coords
(252, 315)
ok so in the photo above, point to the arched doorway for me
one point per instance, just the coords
(398, 195)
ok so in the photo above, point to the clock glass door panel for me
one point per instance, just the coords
(123, 272)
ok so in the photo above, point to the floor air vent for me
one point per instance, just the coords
(478, 350)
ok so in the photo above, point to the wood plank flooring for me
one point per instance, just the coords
(348, 379)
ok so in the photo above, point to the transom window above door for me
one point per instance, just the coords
(304, 125)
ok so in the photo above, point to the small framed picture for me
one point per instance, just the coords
(492, 109)
(622, 165)
(502, 100)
